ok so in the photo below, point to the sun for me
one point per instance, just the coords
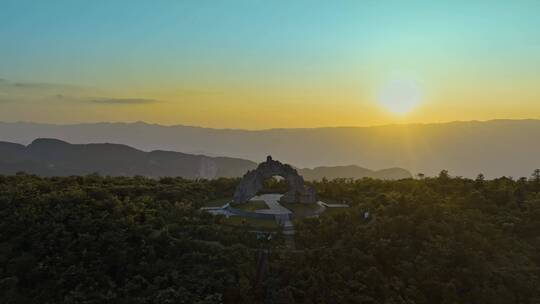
(400, 96)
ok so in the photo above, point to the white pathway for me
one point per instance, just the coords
(281, 214)
(272, 201)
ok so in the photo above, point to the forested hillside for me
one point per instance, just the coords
(98, 239)
(439, 240)
(118, 240)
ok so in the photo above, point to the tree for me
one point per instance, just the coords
(536, 180)
(444, 175)
(480, 180)
(536, 176)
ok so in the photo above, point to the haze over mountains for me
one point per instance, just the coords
(352, 171)
(495, 148)
(52, 157)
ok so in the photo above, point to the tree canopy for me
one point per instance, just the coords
(95, 239)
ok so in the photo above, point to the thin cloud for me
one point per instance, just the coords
(5, 100)
(46, 92)
(29, 85)
(123, 101)
(33, 89)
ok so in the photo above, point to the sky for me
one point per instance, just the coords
(256, 64)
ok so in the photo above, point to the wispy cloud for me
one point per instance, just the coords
(35, 92)
(37, 86)
(123, 101)
(5, 100)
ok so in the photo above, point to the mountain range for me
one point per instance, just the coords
(53, 157)
(352, 171)
(494, 148)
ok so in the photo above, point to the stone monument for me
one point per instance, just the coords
(252, 182)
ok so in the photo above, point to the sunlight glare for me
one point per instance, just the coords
(400, 96)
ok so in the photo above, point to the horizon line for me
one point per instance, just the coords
(271, 129)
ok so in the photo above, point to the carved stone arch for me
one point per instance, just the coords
(253, 181)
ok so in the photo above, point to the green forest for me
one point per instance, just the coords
(98, 239)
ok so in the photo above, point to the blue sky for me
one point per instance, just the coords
(149, 49)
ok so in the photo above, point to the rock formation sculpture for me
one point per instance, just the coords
(252, 182)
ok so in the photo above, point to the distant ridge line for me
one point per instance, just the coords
(502, 147)
(139, 122)
(54, 157)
